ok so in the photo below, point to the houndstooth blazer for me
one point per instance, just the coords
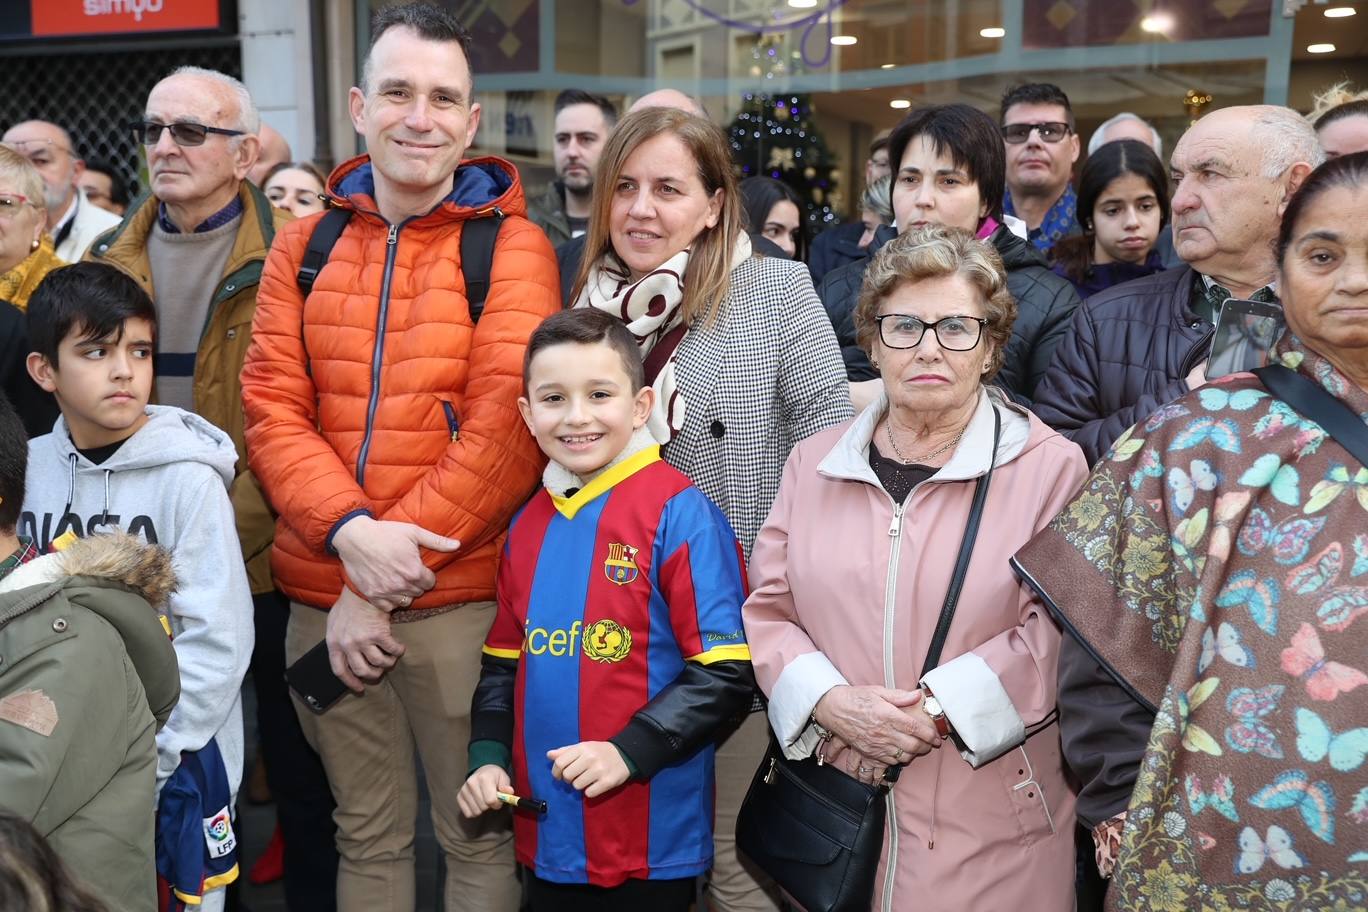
(764, 375)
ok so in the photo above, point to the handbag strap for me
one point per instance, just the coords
(1311, 399)
(966, 551)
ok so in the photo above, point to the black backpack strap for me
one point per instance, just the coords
(1310, 399)
(325, 235)
(478, 235)
(966, 551)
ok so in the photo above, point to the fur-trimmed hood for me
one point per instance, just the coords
(115, 557)
(100, 574)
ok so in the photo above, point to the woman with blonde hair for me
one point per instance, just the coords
(26, 257)
(297, 187)
(26, 251)
(737, 347)
(884, 622)
(1340, 117)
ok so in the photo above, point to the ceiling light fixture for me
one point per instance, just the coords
(802, 4)
(1156, 23)
(887, 66)
(1340, 12)
(1320, 48)
(900, 103)
(843, 40)
(994, 32)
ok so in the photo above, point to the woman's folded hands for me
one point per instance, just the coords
(873, 728)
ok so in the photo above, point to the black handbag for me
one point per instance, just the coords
(1311, 399)
(817, 831)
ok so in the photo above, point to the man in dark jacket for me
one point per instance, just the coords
(583, 122)
(949, 171)
(1143, 343)
(838, 246)
(1042, 146)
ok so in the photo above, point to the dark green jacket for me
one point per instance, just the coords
(87, 676)
(547, 212)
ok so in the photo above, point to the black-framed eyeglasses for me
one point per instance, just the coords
(953, 333)
(1051, 131)
(183, 133)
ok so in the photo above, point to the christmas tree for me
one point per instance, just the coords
(774, 136)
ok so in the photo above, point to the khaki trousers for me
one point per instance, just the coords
(736, 884)
(367, 744)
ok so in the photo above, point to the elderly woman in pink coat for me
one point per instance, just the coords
(850, 572)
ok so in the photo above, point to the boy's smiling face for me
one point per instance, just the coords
(580, 405)
(102, 385)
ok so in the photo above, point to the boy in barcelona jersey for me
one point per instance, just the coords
(618, 653)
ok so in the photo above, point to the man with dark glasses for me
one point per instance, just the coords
(72, 220)
(1042, 146)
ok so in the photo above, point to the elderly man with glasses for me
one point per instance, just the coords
(197, 244)
(72, 220)
(1042, 146)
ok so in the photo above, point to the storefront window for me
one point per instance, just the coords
(819, 79)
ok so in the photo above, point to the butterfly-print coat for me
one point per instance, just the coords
(1212, 576)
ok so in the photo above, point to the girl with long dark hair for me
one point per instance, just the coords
(1123, 203)
(774, 211)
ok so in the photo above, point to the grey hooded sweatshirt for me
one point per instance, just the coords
(167, 484)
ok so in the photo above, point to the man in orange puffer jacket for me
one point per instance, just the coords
(382, 423)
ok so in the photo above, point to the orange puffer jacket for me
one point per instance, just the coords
(379, 395)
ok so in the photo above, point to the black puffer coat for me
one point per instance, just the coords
(1045, 304)
(1128, 352)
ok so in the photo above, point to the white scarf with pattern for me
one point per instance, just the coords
(651, 308)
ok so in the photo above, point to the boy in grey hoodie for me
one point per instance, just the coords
(113, 461)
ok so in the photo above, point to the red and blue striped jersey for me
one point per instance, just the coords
(602, 599)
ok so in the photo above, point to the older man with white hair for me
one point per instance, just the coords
(72, 220)
(197, 244)
(1126, 126)
(1143, 343)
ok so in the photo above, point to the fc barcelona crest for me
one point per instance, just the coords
(620, 567)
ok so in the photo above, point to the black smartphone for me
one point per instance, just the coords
(1244, 337)
(312, 678)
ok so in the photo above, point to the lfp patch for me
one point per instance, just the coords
(218, 834)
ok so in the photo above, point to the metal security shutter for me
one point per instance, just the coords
(95, 95)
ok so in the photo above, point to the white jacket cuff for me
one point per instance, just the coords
(801, 684)
(977, 706)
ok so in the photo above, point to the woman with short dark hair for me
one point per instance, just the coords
(949, 169)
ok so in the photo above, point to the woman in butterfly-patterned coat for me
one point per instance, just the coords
(1211, 577)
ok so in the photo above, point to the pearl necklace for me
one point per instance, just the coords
(888, 430)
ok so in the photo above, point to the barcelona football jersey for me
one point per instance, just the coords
(603, 597)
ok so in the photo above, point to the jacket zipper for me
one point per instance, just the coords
(1197, 353)
(453, 425)
(377, 355)
(890, 591)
